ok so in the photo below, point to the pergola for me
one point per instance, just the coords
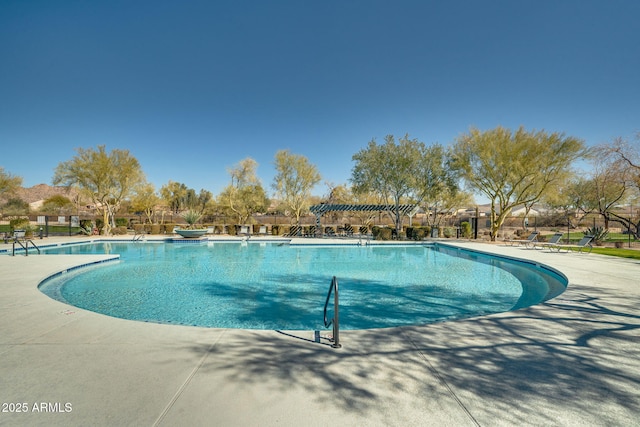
(319, 210)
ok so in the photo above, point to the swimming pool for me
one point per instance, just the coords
(281, 286)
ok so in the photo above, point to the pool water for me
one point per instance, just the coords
(276, 286)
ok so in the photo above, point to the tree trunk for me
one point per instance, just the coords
(494, 230)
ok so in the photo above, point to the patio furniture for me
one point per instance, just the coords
(554, 240)
(533, 237)
(584, 243)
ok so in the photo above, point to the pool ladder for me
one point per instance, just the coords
(333, 288)
(24, 246)
(138, 237)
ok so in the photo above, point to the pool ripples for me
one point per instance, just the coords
(269, 286)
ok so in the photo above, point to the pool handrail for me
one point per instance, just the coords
(25, 246)
(333, 288)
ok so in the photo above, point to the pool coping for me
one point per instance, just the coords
(573, 360)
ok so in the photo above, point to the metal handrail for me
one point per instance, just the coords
(25, 246)
(333, 288)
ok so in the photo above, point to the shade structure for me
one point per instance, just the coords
(323, 208)
(319, 210)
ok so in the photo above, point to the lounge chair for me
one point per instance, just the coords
(554, 240)
(533, 237)
(348, 230)
(585, 242)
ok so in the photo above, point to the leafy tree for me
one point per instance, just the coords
(57, 204)
(106, 178)
(615, 179)
(202, 201)
(8, 183)
(389, 170)
(513, 168)
(145, 200)
(175, 196)
(244, 196)
(337, 195)
(437, 189)
(294, 180)
(574, 198)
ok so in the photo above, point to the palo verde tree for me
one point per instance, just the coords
(436, 182)
(389, 170)
(145, 200)
(244, 196)
(58, 205)
(513, 168)
(9, 183)
(295, 178)
(106, 178)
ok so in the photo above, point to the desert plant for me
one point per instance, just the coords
(465, 227)
(191, 217)
(599, 234)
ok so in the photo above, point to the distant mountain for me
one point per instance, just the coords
(42, 192)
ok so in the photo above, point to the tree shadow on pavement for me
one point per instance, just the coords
(574, 360)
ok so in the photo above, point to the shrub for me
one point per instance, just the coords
(122, 222)
(119, 230)
(86, 226)
(22, 224)
(409, 232)
(465, 229)
(155, 228)
(419, 233)
(19, 224)
(168, 227)
(381, 233)
(277, 230)
(138, 228)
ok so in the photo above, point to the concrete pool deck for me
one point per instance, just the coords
(572, 361)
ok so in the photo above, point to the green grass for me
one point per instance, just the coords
(612, 237)
(622, 253)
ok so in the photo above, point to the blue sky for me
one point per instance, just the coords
(193, 87)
